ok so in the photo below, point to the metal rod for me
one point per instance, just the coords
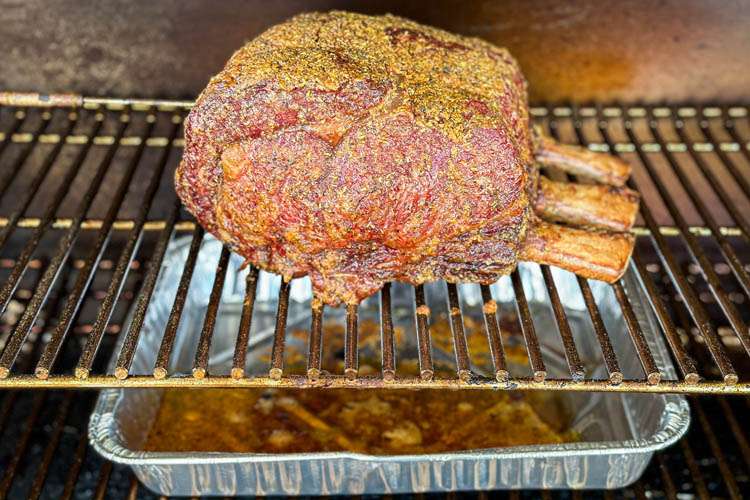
(377, 382)
(11, 468)
(15, 168)
(49, 450)
(39, 177)
(737, 433)
(734, 262)
(696, 310)
(200, 364)
(351, 355)
(246, 319)
(123, 263)
(387, 340)
(713, 443)
(608, 353)
(315, 348)
(130, 342)
(697, 254)
(20, 118)
(639, 340)
(666, 479)
(426, 371)
(101, 485)
(571, 352)
(734, 212)
(75, 467)
(725, 160)
(459, 334)
(170, 332)
(684, 361)
(279, 334)
(695, 472)
(60, 257)
(527, 329)
(493, 334)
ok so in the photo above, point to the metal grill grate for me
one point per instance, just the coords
(691, 164)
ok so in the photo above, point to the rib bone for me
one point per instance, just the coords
(604, 207)
(601, 255)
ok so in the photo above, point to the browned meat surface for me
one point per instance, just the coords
(359, 150)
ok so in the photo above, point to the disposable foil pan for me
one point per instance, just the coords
(619, 431)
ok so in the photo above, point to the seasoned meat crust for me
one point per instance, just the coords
(359, 150)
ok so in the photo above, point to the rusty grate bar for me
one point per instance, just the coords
(315, 351)
(422, 313)
(243, 334)
(277, 351)
(571, 352)
(170, 333)
(387, 340)
(170, 222)
(200, 365)
(493, 334)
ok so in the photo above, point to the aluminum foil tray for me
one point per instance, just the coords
(619, 431)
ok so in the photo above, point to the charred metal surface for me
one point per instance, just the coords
(571, 51)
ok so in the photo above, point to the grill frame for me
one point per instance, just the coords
(660, 236)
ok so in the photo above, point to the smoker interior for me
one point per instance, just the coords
(42, 430)
(691, 163)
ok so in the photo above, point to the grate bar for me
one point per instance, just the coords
(123, 263)
(130, 342)
(101, 486)
(11, 467)
(725, 160)
(75, 467)
(75, 298)
(351, 355)
(13, 171)
(527, 329)
(315, 352)
(459, 334)
(697, 311)
(426, 371)
(684, 361)
(387, 340)
(571, 352)
(200, 364)
(279, 334)
(713, 443)
(695, 473)
(39, 177)
(170, 332)
(695, 251)
(51, 274)
(608, 352)
(736, 429)
(726, 248)
(669, 489)
(493, 334)
(714, 181)
(49, 450)
(19, 120)
(644, 352)
(246, 319)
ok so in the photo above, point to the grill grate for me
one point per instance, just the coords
(691, 164)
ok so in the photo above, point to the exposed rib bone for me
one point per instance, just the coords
(604, 207)
(600, 255)
(579, 161)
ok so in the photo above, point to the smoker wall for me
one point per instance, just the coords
(583, 51)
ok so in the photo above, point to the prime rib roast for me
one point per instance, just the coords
(359, 150)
